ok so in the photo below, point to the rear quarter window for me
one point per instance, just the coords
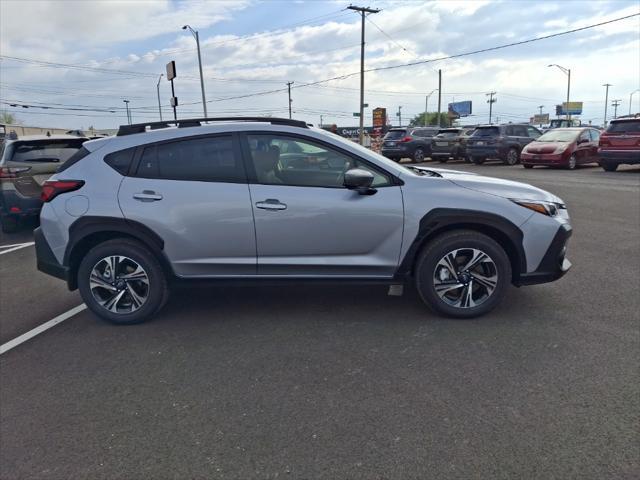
(120, 161)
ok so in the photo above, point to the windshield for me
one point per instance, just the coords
(56, 151)
(558, 136)
(394, 134)
(486, 132)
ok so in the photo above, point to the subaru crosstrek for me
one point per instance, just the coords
(251, 199)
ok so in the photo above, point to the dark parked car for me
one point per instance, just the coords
(562, 147)
(25, 165)
(620, 143)
(450, 142)
(503, 142)
(410, 142)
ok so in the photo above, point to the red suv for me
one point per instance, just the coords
(620, 143)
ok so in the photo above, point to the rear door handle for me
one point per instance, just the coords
(271, 204)
(147, 196)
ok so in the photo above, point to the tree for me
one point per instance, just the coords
(8, 118)
(432, 119)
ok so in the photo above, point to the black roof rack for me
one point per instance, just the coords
(196, 122)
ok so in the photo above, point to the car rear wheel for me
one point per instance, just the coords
(526, 165)
(477, 160)
(122, 282)
(9, 223)
(462, 274)
(609, 167)
(512, 157)
(418, 155)
(571, 164)
(443, 159)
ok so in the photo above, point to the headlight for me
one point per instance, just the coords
(546, 208)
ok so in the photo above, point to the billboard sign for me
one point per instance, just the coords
(541, 119)
(460, 109)
(571, 108)
(379, 120)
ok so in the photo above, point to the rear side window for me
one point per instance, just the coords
(208, 159)
(595, 135)
(632, 126)
(120, 161)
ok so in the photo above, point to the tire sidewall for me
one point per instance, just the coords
(419, 154)
(575, 162)
(444, 244)
(510, 153)
(157, 281)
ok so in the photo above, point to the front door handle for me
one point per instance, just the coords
(147, 196)
(271, 204)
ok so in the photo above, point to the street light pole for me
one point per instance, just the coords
(631, 97)
(126, 102)
(567, 72)
(158, 90)
(400, 115)
(606, 102)
(197, 37)
(426, 103)
(362, 11)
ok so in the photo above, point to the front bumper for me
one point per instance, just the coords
(542, 159)
(630, 157)
(554, 264)
(46, 260)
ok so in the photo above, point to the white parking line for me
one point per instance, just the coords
(41, 328)
(15, 247)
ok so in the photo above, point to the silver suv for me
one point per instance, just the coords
(245, 199)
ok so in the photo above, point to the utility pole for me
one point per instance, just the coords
(289, 89)
(320, 121)
(197, 37)
(614, 104)
(439, 95)
(606, 101)
(362, 11)
(126, 102)
(491, 101)
(158, 90)
(541, 107)
(399, 115)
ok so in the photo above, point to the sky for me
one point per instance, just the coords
(83, 58)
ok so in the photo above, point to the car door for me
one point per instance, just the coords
(595, 140)
(193, 193)
(583, 147)
(308, 223)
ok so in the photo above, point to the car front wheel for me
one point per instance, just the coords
(512, 157)
(610, 167)
(122, 282)
(462, 274)
(571, 164)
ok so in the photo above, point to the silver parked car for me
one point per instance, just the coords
(265, 198)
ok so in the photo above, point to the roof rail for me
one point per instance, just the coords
(196, 122)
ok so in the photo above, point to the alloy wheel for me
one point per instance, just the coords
(572, 162)
(512, 157)
(418, 156)
(465, 277)
(119, 284)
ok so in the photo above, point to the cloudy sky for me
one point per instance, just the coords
(82, 58)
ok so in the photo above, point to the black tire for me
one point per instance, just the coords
(419, 155)
(513, 156)
(9, 223)
(158, 290)
(437, 248)
(526, 165)
(443, 159)
(572, 162)
(477, 160)
(609, 167)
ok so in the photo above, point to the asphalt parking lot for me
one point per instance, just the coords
(340, 382)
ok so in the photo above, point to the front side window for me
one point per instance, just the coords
(595, 135)
(206, 159)
(281, 160)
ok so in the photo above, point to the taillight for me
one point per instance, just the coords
(406, 139)
(52, 188)
(12, 172)
(604, 141)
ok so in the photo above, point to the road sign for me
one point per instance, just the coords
(171, 70)
(356, 114)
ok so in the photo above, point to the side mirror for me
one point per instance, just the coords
(359, 180)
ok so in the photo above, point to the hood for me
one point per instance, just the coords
(495, 186)
(545, 147)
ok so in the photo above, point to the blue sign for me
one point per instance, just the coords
(460, 109)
